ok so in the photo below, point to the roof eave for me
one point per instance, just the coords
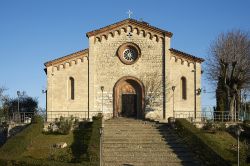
(118, 24)
(50, 63)
(197, 59)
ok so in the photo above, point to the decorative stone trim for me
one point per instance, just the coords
(135, 31)
(76, 55)
(69, 63)
(134, 26)
(184, 56)
(130, 22)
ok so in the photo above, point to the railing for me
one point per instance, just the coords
(210, 115)
(18, 117)
(81, 115)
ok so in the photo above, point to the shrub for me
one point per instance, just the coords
(220, 126)
(246, 123)
(209, 125)
(60, 126)
(36, 119)
(64, 126)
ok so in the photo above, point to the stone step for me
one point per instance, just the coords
(131, 125)
(157, 152)
(159, 163)
(147, 158)
(143, 145)
(154, 148)
(139, 134)
(134, 130)
(134, 141)
(142, 140)
(135, 135)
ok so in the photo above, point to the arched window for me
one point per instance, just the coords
(71, 88)
(184, 88)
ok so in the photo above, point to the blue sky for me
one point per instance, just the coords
(33, 32)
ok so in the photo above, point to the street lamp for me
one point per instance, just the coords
(245, 99)
(101, 133)
(101, 129)
(194, 90)
(102, 88)
(45, 91)
(19, 94)
(238, 131)
(198, 91)
(173, 88)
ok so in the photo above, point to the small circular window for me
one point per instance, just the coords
(128, 53)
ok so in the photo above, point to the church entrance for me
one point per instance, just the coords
(129, 102)
(129, 98)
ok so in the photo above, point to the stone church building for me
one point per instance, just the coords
(128, 70)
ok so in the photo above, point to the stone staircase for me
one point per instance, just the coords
(130, 142)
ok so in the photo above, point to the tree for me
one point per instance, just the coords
(153, 88)
(26, 104)
(2, 96)
(229, 66)
(3, 99)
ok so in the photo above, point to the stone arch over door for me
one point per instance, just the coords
(126, 86)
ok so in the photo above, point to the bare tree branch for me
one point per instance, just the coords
(229, 60)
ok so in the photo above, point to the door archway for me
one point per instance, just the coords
(128, 97)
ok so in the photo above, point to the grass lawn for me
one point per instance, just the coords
(41, 147)
(218, 148)
(33, 147)
(223, 143)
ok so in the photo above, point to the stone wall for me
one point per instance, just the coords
(182, 68)
(59, 102)
(107, 68)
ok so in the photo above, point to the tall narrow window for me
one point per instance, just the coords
(72, 88)
(184, 88)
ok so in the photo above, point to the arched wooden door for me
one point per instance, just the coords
(129, 98)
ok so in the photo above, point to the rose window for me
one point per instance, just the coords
(129, 55)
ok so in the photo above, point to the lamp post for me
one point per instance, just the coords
(194, 90)
(19, 94)
(45, 91)
(245, 99)
(237, 133)
(101, 133)
(173, 88)
(101, 129)
(102, 88)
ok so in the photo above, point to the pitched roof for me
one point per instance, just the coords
(186, 55)
(70, 56)
(128, 21)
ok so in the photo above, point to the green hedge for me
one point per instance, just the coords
(94, 144)
(204, 148)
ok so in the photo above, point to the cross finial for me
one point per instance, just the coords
(129, 13)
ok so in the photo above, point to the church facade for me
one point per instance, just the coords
(128, 70)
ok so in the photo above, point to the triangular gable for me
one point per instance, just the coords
(140, 24)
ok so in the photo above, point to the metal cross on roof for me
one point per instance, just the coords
(129, 13)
